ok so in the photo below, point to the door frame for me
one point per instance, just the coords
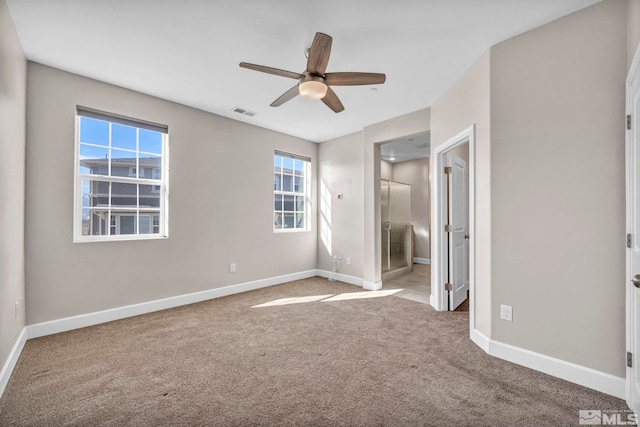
(629, 155)
(438, 298)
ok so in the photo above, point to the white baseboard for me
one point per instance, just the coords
(433, 301)
(587, 377)
(425, 261)
(371, 286)
(339, 276)
(11, 361)
(90, 319)
(480, 340)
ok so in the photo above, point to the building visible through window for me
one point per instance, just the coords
(120, 186)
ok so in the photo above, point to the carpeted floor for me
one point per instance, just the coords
(308, 353)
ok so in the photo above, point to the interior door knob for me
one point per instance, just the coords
(636, 280)
(466, 236)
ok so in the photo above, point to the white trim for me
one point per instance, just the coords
(352, 280)
(480, 340)
(372, 286)
(577, 374)
(433, 301)
(12, 359)
(90, 319)
(438, 298)
(425, 261)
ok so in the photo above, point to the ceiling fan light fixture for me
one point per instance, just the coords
(312, 89)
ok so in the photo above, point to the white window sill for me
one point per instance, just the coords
(290, 230)
(119, 238)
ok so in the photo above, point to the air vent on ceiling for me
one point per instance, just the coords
(243, 111)
(425, 145)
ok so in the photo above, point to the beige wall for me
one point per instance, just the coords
(558, 189)
(341, 171)
(386, 170)
(461, 151)
(13, 73)
(220, 208)
(467, 103)
(416, 174)
(633, 29)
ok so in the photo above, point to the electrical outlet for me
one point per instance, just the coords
(506, 312)
(348, 260)
(232, 267)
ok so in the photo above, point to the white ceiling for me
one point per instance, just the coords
(188, 51)
(406, 148)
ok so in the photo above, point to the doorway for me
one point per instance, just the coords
(446, 268)
(405, 216)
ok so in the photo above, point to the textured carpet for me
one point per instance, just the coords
(303, 353)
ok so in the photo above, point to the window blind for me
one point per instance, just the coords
(293, 156)
(123, 120)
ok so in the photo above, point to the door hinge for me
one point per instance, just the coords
(628, 121)
(628, 240)
(447, 170)
(447, 228)
(448, 286)
(629, 360)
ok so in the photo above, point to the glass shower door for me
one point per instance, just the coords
(386, 224)
(395, 203)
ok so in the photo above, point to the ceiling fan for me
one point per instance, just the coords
(314, 82)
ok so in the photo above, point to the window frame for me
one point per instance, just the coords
(163, 183)
(306, 193)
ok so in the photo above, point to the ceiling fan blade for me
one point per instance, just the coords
(332, 101)
(354, 79)
(287, 96)
(319, 54)
(270, 70)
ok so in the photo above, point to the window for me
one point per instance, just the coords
(115, 199)
(291, 191)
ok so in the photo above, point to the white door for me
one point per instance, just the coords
(458, 244)
(633, 241)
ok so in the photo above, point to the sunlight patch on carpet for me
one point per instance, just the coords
(328, 298)
(362, 295)
(293, 300)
